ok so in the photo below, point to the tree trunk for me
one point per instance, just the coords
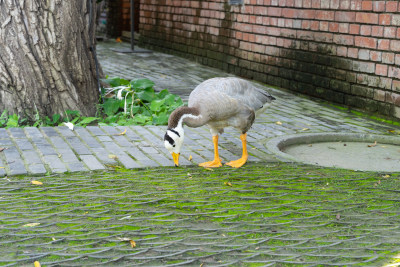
(47, 64)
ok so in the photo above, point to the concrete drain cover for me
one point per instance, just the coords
(349, 151)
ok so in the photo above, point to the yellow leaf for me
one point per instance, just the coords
(279, 123)
(305, 129)
(112, 156)
(228, 183)
(2, 167)
(133, 243)
(36, 182)
(30, 225)
(37, 264)
(190, 158)
(386, 176)
(122, 133)
(372, 145)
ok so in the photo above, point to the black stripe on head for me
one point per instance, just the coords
(169, 139)
(175, 132)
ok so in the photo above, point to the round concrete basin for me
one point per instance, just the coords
(362, 152)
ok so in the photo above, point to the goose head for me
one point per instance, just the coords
(173, 138)
(173, 141)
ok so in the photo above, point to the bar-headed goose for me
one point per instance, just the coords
(217, 102)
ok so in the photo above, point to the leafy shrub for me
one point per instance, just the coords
(136, 102)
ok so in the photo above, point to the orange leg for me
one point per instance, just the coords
(217, 161)
(240, 162)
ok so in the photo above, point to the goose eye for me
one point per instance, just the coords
(173, 145)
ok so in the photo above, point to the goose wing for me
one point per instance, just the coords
(221, 98)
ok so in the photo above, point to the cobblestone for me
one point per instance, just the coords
(58, 149)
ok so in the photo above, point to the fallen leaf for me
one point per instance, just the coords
(338, 216)
(112, 156)
(118, 40)
(305, 129)
(227, 183)
(112, 166)
(124, 239)
(53, 239)
(372, 145)
(2, 167)
(278, 122)
(310, 145)
(190, 158)
(37, 264)
(36, 182)
(59, 155)
(386, 176)
(30, 225)
(121, 133)
(133, 243)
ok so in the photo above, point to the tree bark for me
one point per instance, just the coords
(47, 65)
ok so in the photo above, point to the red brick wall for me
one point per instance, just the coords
(340, 50)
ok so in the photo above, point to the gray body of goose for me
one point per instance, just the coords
(218, 103)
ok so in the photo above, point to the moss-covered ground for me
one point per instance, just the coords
(259, 215)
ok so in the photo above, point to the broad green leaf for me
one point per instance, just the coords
(163, 93)
(111, 106)
(169, 99)
(142, 84)
(115, 81)
(56, 118)
(156, 104)
(145, 96)
(141, 119)
(87, 120)
(160, 119)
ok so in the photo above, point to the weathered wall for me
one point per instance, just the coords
(343, 51)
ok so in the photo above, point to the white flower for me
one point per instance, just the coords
(119, 94)
(69, 125)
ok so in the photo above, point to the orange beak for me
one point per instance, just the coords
(175, 157)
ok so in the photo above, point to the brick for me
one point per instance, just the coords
(342, 51)
(306, 14)
(365, 30)
(344, 4)
(333, 27)
(352, 52)
(324, 26)
(379, 95)
(395, 45)
(356, 5)
(343, 27)
(397, 59)
(389, 32)
(383, 44)
(275, 11)
(361, 66)
(381, 70)
(343, 16)
(377, 31)
(325, 4)
(396, 20)
(375, 55)
(335, 4)
(363, 54)
(366, 5)
(385, 19)
(368, 18)
(343, 39)
(396, 85)
(398, 33)
(316, 4)
(324, 15)
(92, 163)
(391, 6)
(365, 42)
(354, 29)
(379, 6)
(394, 72)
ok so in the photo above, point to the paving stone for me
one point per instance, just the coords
(6, 142)
(92, 163)
(3, 133)
(32, 132)
(49, 131)
(65, 131)
(76, 144)
(17, 132)
(31, 157)
(95, 130)
(46, 149)
(58, 142)
(55, 164)
(24, 144)
(17, 167)
(127, 161)
(77, 167)
(37, 169)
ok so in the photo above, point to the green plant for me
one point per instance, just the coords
(136, 102)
